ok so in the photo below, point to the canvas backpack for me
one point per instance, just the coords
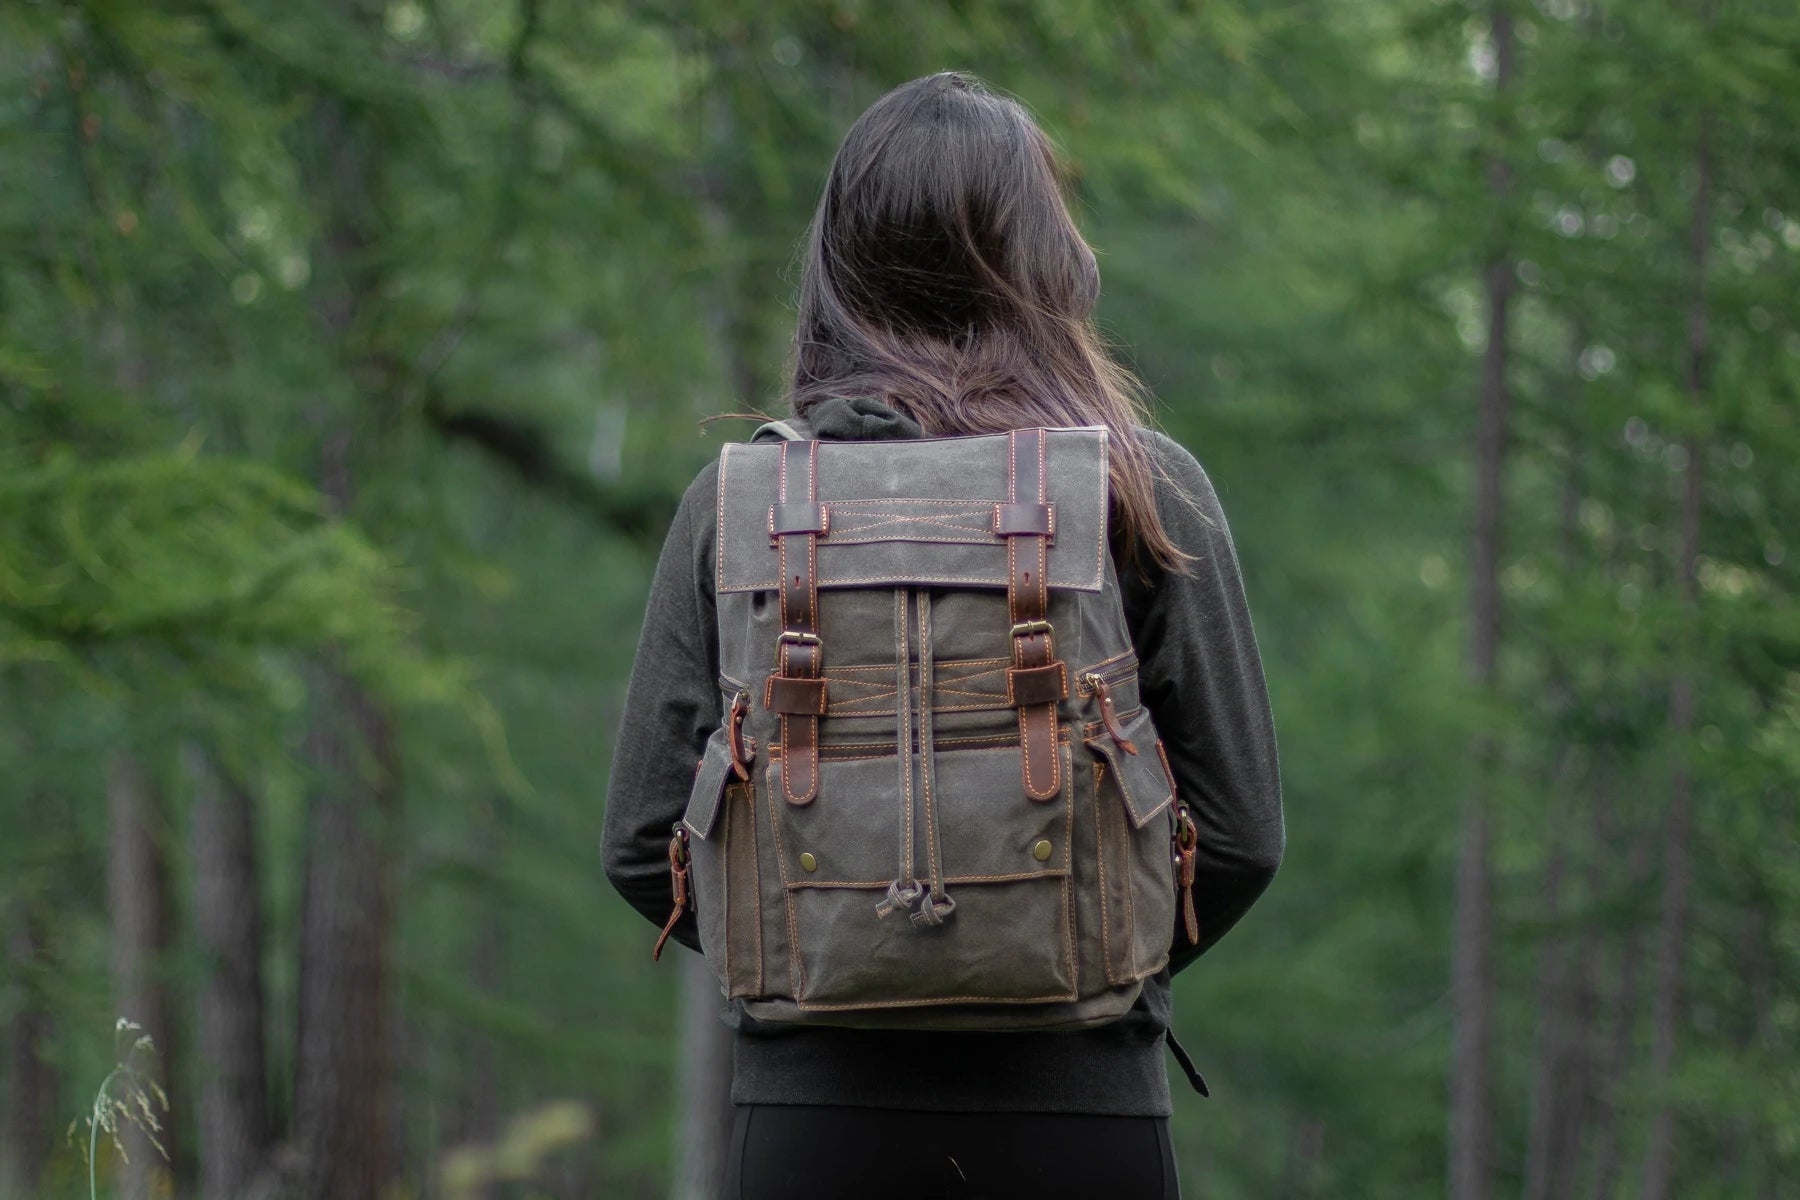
(934, 798)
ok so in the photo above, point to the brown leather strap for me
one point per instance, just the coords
(678, 883)
(1037, 685)
(1037, 679)
(1013, 519)
(797, 696)
(1187, 843)
(796, 689)
(797, 516)
(734, 737)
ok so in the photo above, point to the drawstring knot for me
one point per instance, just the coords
(900, 896)
(933, 910)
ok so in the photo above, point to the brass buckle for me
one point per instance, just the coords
(804, 639)
(1027, 628)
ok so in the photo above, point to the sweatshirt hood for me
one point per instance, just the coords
(849, 419)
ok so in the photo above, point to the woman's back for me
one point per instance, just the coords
(966, 331)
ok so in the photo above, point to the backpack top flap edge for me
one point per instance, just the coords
(915, 511)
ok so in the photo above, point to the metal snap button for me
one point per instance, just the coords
(1041, 851)
(807, 861)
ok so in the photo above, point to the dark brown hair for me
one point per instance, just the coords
(944, 276)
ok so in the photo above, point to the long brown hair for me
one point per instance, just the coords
(944, 276)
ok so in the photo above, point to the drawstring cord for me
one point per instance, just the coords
(928, 906)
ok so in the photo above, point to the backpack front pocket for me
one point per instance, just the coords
(952, 888)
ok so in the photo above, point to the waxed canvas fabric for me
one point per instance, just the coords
(1058, 908)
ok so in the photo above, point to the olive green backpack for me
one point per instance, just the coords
(934, 798)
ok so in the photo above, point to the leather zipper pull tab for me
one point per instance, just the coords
(734, 736)
(1187, 844)
(678, 882)
(1109, 713)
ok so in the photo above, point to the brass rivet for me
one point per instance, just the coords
(807, 861)
(1041, 851)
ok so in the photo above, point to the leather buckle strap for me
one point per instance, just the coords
(796, 688)
(1038, 679)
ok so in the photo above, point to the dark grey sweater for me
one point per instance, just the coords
(1203, 682)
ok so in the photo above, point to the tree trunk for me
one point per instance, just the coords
(339, 1146)
(1557, 1110)
(30, 1099)
(1613, 1062)
(341, 1066)
(1472, 966)
(1546, 1090)
(705, 1048)
(233, 1075)
(1659, 1151)
(137, 903)
(475, 1116)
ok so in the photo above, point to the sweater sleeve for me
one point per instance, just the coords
(671, 707)
(1202, 678)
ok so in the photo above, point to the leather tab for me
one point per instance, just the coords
(1037, 685)
(784, 695)
(678, 884)
(1109, 713)
(1011, 520)
(1187, 845)
(734, 737)
(798, 516)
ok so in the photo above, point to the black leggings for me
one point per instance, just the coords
(817, 1152)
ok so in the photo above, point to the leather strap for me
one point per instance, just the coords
(796, 688)
(1037, 679)
(734, 737)
(1013, 519)
(1037, 685)
(797, 516)
(1187, 1065)
(797, 696)
(678, 884)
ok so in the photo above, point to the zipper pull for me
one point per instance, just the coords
(1110, 713)
(734, 735)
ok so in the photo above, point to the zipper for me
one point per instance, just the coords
(1109, 712)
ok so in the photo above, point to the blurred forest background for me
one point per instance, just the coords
(352, 357)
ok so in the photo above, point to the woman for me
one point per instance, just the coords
(945, 290)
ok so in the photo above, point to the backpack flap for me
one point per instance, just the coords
(1144, 779)
(928, 511)
(710, 774)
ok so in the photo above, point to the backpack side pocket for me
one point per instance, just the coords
(721, 823)
(1131, 793)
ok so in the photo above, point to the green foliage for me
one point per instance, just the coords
(378, 333)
